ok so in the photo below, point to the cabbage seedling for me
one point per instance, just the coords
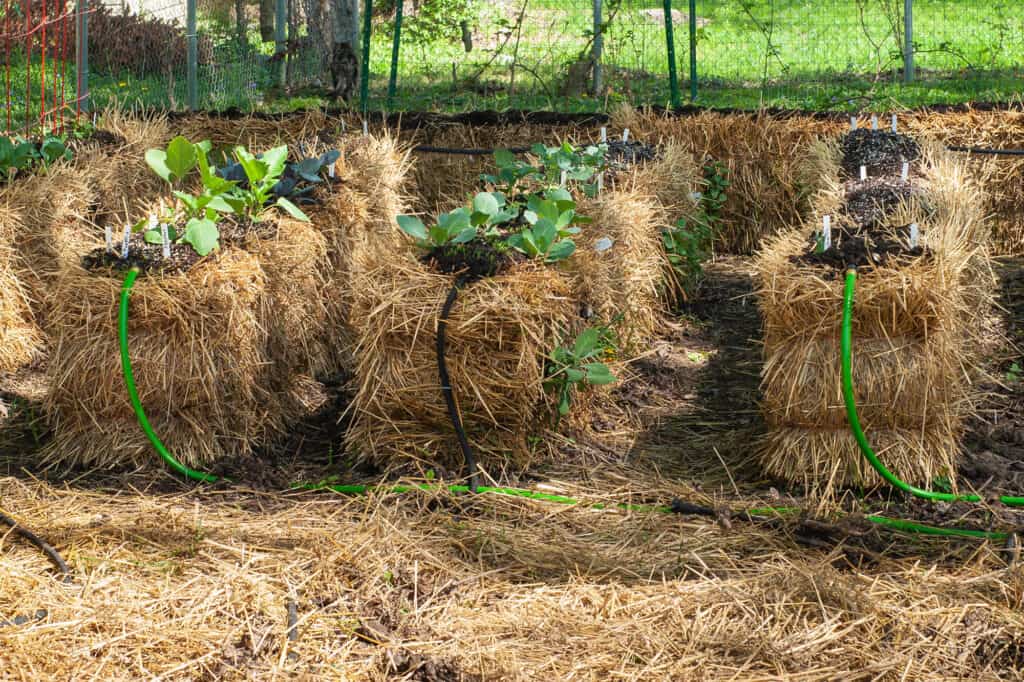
(454, 227)
(569, 369)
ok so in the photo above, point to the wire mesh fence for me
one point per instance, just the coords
(569, 55)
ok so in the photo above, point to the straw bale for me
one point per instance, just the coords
(20, 339)
(119, 176)
(256, 131)
(760, 151)
(900, 382)
(825, 460)
(198, 352)
(628, 278)
(671, 179)
(915, 299)
(55, 208)
(498, 334)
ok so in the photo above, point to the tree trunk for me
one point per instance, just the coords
(334, 32)
(240, 27)
(267, 12)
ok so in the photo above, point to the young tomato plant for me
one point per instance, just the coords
(572, 368)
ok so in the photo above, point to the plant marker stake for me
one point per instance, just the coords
(330, 171)
(600, 182)
(625, 134)
(366, 128)
(124, 242)
(905, 171)
(108, 234)
(874, 122)
(863, 172)
(826, 232)
(166, 240)
(894, 123)
(561, 181)
(604, 133)
(853, 123)
(913, 235)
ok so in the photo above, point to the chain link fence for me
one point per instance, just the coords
(566, 55)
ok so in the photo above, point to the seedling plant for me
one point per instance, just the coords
(577, 367)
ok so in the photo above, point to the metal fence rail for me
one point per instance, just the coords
(571, 55)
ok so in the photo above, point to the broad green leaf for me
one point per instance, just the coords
(516, 242)
(205, 146)
(586, 342)
(466, 235)
(529, 244)
(275, 160)
(157, 160)
(544, 233)
(563, 403)
(412, 226)
(181, 157)
(560, 194)
(484, 202)
(439, 235)
(574, 375)
(564, 219)
(598, 374)
(503, 157)
(561, 251)
(292, 209)
(187, 199)
(530, 217)
(255, 170)
(203, 235)
(219, 203)
(153, 237)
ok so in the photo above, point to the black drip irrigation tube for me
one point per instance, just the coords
(52, 554)
(446, 388)
(480, 151)
(676, 507)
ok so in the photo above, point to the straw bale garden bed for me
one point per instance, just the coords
(570, 406)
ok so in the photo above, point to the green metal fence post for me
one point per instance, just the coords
(393, 78)
(693, 50)
(598, 49)
(364, 75)
(193, 55)
(280, 36)
(82, 54)
(908, 41)
(670, 45)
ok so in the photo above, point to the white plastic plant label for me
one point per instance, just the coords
(913, 235)
(853, 123)
(330, 171)
(166, 240)
(826, 232)
(561, 180)
(863, 172)
(874, 122)
(108, 235)
(366, 128)
(600, 182)
(894, 123)
(603, 244)
(625, 134)
(905, 171)
(604, 133)
(125, 242)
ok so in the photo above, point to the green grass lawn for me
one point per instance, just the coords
(784, 53)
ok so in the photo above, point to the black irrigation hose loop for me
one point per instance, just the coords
(446, 387)
(52, 554)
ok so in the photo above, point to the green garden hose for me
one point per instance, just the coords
(845, 349)
(676, 507)
(133, 394)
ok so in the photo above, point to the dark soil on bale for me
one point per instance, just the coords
(149, 258)
(867, 203)
(98, 138)
(862, 248)
(623, 155)
(476, 259)
(882, 151)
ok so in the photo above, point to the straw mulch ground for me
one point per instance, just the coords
(917, 330)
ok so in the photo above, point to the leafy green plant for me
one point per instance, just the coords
(577, 165)
(552, 222)
(688, 243)
(298, 179)
(177, 160)
(581, 365)
(491, 209)
(262, 174)
(511, 171)
(1014, 373)
(18, 154)
(454, 227)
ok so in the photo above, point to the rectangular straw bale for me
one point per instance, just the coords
(498, 334)
(628, 278)
(761, 153)
(198, 350)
